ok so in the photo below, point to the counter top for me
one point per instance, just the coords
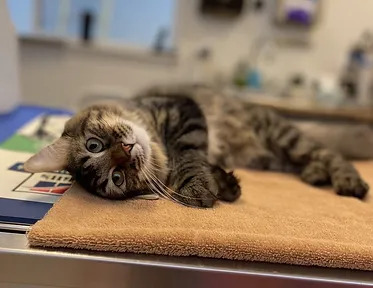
(20, 264)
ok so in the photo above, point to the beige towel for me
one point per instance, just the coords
(278, 219)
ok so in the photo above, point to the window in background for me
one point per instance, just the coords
(49, 16)
(138, 23)
(21, 13)
(77, 11)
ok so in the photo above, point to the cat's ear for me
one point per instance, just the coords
(51, 158)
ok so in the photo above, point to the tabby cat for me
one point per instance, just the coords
(179, 143)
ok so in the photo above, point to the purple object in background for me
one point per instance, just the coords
(299, 16)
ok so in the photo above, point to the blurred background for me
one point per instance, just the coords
(308, 58)
(314, 52)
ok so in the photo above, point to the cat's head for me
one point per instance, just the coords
(105, 151)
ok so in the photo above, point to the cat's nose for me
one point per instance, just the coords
(121, 153)
(127, 148)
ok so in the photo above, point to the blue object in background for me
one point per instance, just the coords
(299, 16)
(254, 79)
(21, 211)
(11, 122)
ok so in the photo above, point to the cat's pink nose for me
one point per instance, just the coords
(127, 148)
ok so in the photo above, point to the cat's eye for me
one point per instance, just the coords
(117, 177)
(94, 145)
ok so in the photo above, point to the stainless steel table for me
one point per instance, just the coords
(21, 266)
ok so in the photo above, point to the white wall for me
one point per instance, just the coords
(342, 22)
(52, 75)
(58, 76)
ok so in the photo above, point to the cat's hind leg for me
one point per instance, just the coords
(316, 174)
(344, 177)
(318, 164)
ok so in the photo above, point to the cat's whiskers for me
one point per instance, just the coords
(153, 166)
(152, 189)
(156, 189)
(160, 189)
(145, 168)
(153, 160)
(154, 181)
(169, 190)
(168, 196)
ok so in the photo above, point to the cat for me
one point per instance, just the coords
(179, 143)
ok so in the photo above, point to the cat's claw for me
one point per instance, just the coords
(350, 186)
(228, 185)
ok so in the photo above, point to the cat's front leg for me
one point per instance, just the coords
(185, 137)
(192, 181)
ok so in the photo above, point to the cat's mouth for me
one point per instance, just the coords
(137, 157)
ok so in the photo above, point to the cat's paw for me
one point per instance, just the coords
(316, 174)
(198, 191)
(228, 184)
(350, 185)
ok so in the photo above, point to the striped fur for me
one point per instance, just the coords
(183, 140)
(250, 136)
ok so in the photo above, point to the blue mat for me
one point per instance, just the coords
(19, 211)
(11, 122)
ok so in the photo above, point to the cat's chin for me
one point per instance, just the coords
(140, 157)
(142, 140)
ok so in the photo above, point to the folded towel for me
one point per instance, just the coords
(278, 219)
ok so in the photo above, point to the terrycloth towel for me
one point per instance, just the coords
(278, 219)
